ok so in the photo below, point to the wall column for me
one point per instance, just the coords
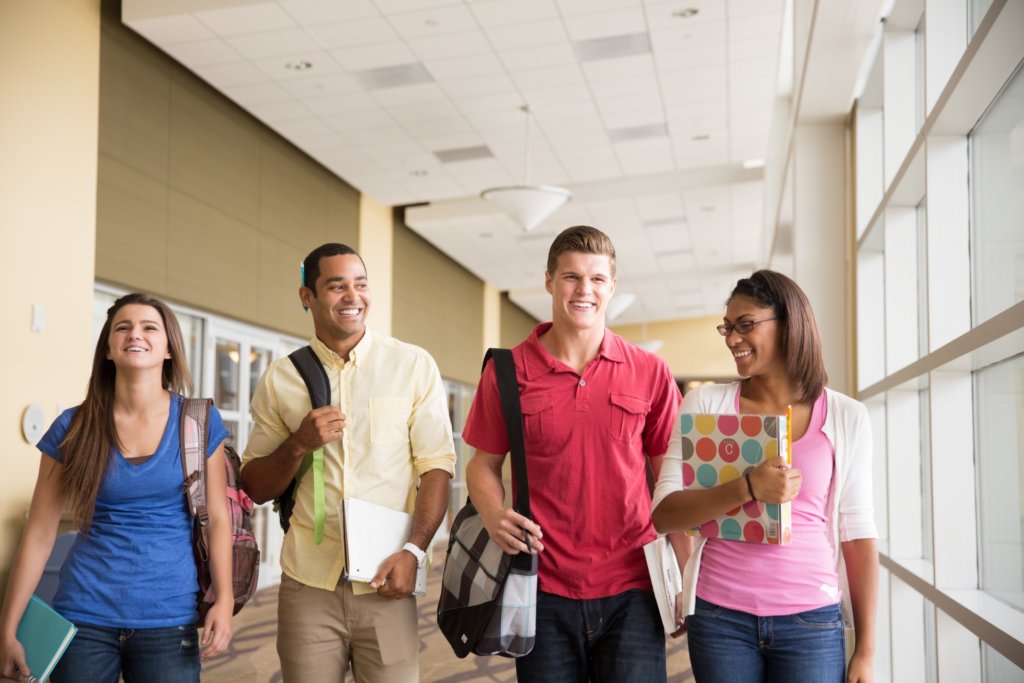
(821, 237)
(49, 133)
(376, 246)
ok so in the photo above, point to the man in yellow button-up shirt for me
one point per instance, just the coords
(385, 431)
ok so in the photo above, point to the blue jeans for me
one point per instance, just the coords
(727, 646)
(153, 655)
(607, 640)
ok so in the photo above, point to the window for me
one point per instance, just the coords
(460, 397)
(997, 203)
(999, 391)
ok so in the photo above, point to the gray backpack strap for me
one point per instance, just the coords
(195, 414)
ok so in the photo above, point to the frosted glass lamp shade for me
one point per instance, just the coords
(528, 205)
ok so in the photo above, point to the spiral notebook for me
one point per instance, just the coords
(371, 533)
(720, 448)
(45, 635)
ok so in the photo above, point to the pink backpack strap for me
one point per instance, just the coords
(195, 414)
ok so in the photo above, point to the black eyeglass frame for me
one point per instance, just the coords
(742, 327)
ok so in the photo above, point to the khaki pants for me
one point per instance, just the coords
(320, 631)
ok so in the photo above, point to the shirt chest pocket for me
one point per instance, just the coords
(389, 420)
(538, 415)
(628, 414)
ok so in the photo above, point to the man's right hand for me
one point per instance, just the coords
(320, 426)
(505, 527)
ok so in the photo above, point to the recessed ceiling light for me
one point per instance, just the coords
(686, 12)
(701, 137)
(753, 163)
(298, 65)
(418, 173)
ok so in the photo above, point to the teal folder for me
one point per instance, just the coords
(45, 635)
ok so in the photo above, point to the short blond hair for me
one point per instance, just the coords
(582, 239)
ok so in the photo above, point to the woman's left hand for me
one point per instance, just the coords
(217, 629)
(860, 670)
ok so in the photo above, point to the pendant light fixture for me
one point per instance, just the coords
(527, 204)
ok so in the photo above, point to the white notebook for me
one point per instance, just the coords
(371, 533)
(665, 578)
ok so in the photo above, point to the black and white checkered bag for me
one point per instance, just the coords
(488, 602)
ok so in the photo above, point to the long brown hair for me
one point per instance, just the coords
(86, 448)
(801, 343)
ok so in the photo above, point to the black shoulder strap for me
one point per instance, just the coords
(508, 390)
(313, 374)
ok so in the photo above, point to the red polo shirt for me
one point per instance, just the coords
(587, 440)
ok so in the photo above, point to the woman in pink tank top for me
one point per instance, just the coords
(764, 612)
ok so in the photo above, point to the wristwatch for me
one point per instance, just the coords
(420, 555)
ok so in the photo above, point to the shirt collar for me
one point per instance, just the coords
(332, 360)
(538, 361)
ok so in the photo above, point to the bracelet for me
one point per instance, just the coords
(750, 488)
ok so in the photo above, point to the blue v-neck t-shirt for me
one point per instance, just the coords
(135, 567)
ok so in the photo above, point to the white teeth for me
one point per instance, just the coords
(348, 311)
(135, 348)
(582, 304)
(740, 354)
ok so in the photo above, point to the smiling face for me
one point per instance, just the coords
(341, 303)
(580, 288)
(759, 351)
(137, 338)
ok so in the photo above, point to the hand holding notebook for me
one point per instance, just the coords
(372, 533)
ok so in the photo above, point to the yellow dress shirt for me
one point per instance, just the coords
(396, 429)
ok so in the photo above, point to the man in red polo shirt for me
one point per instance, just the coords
(595, 409)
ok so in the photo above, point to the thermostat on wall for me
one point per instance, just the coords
(32, 423)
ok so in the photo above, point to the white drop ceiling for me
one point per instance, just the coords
(649, 111)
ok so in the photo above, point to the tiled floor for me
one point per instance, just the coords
(253, 658)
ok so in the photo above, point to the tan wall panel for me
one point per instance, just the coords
(299, 197)
(215, 149)
(692, 348)
(437, 305)
(135, 123)
(132, 208)
(200, 202)
(516, 324)
(278, 268)
(198, 236)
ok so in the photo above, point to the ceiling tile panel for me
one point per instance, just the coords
(502, 12)
(450, 45)
(257, 93)
(252, 18)
(375, 56)
(456, 67)
(354, 101)
(531, 34)
(203, 53)
(476, 86)
(353, 33)
(636, 66)
(409, 95)
(181, 28)
(606, 24)
(233, 75)
(437, 21)
(312, 12)
(398, 6)
(547, 77)
(556, 54)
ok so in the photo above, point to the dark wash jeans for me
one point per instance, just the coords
(618, 639)
(152, 655)
(727, 646)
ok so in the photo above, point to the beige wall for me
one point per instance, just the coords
(516, 324)
(199, 202)
(692, 347)
(49, 68)
(438, 305)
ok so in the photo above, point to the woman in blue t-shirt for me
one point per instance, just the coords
(129, 582)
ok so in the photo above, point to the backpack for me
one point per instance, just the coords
(195, 415)
(314, 376)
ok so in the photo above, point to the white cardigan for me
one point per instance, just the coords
(850, 504)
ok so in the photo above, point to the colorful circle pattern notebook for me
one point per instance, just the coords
(720, 448)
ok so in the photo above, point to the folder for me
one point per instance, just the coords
(45, 635)
(371, 533)
(718, 448)
(665, 578)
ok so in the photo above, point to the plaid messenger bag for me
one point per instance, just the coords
(488, 602)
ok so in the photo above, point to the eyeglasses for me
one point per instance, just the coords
(743, 326)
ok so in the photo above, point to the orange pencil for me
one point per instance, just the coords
(789, 434)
